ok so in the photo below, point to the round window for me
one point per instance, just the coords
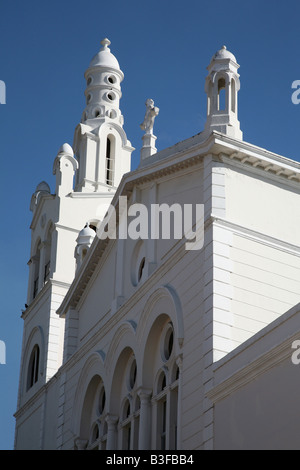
(138, 263)
(141, 269)
(102, 400)
(111, 79)
(167, 342)
(111, 96)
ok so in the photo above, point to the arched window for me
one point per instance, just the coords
(36, 271)
(221, 94)
(233, 96)
(130, 409)
(165, 397)
(98, 434)
(93, 427)
(47, 255)
(33, 367)
(109, 166)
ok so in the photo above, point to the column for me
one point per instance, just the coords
(80, 444)
(145, 419)
(179, 420)
(111, 443)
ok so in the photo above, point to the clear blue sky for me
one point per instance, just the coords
(163, 48)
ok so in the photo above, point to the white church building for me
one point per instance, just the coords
(139, 342)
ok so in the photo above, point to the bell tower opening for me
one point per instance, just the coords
(109, 163)
(233, 97)
(221, 95)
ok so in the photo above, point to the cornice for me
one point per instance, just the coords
(250, 155)
(254, 235)
(253, 370)
(41, 294)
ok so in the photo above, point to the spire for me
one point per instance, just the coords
(222, 86)
(103, 91)
(100, 142)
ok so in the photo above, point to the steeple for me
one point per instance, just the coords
(103, 91)
(222, 86)
(100, 143)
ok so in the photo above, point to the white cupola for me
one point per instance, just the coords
(222, 86)
(100, 143)
(42, 189)
(84, 241)
(103, 91)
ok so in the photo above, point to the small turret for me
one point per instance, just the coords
(64, 168)
(103, 91)
(100, 143)
(84, 241)
(222, 86)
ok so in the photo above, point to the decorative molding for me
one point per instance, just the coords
(254, 235)
(252, 370)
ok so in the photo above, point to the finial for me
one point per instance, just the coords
(105, 43)
(224, 47)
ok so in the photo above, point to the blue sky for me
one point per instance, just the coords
(163, 48)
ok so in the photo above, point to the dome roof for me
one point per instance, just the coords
(66, 148)
(105, 58)
(223, 53)
(85, 235)
(43, 186)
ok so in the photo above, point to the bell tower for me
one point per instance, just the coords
(100, 143)
(64, 222)
(222, 86)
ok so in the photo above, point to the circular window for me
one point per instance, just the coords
(132, 375)
(112, 113)
(111, 96)
(167, 342)
(89, 81)
(88, 99)
(111, 79)
(138, 263)
(141, 269)
(102, 400)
